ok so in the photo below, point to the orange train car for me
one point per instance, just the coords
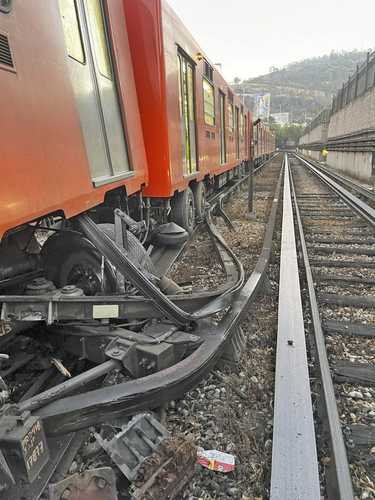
(70, 124)
(106, 103)
(196, 129)
(71, 135)
(264, 142)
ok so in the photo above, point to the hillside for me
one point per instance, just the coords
(303, 88)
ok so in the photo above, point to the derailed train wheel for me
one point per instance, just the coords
(183, 210)
(70, 259)
(200, 199)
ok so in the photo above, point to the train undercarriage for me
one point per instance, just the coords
(88, 305)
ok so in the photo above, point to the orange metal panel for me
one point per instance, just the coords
(43, 162)
(155, 33)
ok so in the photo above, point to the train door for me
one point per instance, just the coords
(223, 147)
(95, 89)
(187, 113)
(237, 118)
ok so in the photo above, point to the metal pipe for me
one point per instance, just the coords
(251, 187)
(69, 386)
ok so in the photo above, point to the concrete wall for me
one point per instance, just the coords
(315, 155)
(356, 116)
(358, 165)
(318, 134)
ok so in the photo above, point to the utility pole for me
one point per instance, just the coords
(250, 199)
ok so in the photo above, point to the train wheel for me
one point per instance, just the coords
(83, 270)
(200, 199)
(183, 210)
(69, 259)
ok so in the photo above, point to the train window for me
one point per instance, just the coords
(242, 124)
(223, 148)
(6, 6)
(100, 38)
(208, 71)
(187, 110)
(208, 102)
(230, 118)
(72, 31)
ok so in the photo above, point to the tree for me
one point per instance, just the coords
(285, 133)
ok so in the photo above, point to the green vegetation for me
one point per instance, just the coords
(287, 135)
(303, 88)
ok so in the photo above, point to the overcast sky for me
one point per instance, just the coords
(250, 36)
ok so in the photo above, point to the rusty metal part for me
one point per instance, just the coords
(167, 471)
(96, 484)
(133, 445)
(58, 448)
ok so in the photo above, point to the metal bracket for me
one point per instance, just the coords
(133, 445)
(96, 484)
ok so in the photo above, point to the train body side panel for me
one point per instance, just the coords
(143, 19)
(156, 37)
(43, 161)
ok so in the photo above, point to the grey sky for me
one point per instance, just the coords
(250, 36)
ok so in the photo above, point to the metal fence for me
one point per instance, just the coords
(322, 118)
(357, 84)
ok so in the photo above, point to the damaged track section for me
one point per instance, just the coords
(64, 414)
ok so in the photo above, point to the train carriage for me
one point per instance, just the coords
(70, 126)
(196, 129)
(113, 121)
(264, 142)
(105, 105)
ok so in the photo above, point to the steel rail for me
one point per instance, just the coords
(361, 190)
(95, 407)
(359, 206)
(295, 472)
(340, 459)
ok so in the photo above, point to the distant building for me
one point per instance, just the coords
(259, 104)
(281, 118)
(263, 106)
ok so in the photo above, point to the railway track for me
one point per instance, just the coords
(331, 229)
(66, 414)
